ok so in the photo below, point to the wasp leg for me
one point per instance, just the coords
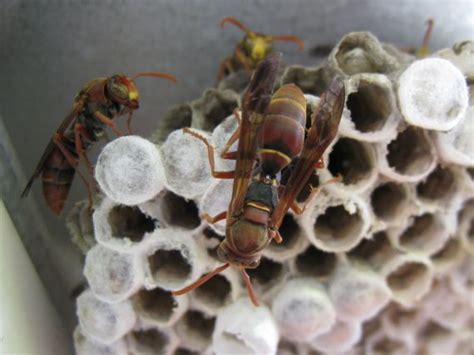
(276, 236)
(213, 220)
(129, 122)
(225, 152)
(320, 164)
(80, 131)
(73, 161)
(210, 154)
(224, 68)
(108, 122)
(314, 190)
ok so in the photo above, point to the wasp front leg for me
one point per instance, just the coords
(210, 154)
(108, 122)
(225, 152)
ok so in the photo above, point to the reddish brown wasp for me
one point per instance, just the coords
(251, 50)
(94, 109)
(271, 133)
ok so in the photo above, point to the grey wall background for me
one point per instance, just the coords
(50, 48)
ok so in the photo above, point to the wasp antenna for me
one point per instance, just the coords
(424, 50)
(199, 282)
(250, 289)
(235, 22)
(293, 39)
(156, 74)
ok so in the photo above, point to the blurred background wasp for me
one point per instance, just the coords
(251, 50)
(94, 108)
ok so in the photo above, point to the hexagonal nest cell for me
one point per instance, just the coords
(315, 263)
(214, 292)
(310, 81)
(157, 304)
(388, 200)
(407, 276)
(438, 185)
(290, 232)
(150, 341)
(351, 159)
(336, 224)
(198, 325)
(267, 272)
(179, 212)
(410, 153)
(213, 108)
(370, 106)
(130, 222)
(169, 264)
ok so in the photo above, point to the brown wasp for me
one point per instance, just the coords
(94, 108)
(251, 50)
(271, 135)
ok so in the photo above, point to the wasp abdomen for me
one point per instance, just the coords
(283, 129)
(57, 178)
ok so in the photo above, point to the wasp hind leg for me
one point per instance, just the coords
(210, 154)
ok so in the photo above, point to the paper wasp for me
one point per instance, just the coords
(94, 108)
(271, 134)
(251, 50)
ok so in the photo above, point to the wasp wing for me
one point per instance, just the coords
(322, 132)
(76, 109)
(254, 104)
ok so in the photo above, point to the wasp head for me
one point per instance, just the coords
(257, 46)
(123, 91)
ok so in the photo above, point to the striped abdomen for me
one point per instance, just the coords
(57, 178)
(283, 130)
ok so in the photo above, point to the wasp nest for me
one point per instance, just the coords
(380, 262)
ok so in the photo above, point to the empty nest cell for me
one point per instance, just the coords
(212, 109)
(410, 153)
(195, 329)
(388, 200)
(440, 184)
(179, 212)
(361, 52)
(176, 118)
(408, 281)
(426, 234)
(310, 81)
(316, 263)
(169, 264)
(130, 222)
(150, 341)
(290, 232)
(184, 351)
(374, 250)
(214, 292)
(267, 272)
(156, 304)
(370, 106)
(351, 159)
(337, 228)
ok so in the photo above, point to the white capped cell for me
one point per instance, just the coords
(103, 322)
(433, 94)
(303, 310)
(242, 328)
(130, 171)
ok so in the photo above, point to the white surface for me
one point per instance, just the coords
(28, 322)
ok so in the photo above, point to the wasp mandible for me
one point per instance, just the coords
(251, 50)
(271, 135)
(94, 108)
